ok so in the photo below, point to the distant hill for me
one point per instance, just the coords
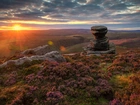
(71, 40)
(133, 31)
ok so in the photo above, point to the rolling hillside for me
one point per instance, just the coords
(64, 40)
(81, 80)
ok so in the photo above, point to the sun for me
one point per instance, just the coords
(17, 27)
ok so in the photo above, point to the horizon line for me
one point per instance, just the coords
(68, 29)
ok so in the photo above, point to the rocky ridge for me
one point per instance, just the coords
(40, 53)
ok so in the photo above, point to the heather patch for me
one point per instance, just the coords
(81, 80)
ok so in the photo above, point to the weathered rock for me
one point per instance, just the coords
(110, 51)
(51, 56)
(101, 44)
(99, 31)
(41, 50)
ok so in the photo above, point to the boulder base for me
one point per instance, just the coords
(110, 51)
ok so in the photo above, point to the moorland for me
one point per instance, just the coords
(64, 40)
(108, 79)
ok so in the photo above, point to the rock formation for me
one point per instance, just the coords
(41, 50)
(101, 44)
(51, 56)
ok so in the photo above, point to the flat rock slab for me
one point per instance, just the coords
(111, 51)
(98, 28)
(99, 31)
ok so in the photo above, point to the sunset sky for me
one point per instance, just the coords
(48, 14)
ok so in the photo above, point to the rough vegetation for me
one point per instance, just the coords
(81, 80)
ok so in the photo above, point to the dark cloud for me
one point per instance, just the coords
(134, 1)
(57, 16)
(61, 4)
(90, 8)
(49, 10)
(12, 4)
(71, 10)
(96, 2)
(81, 1)
(109, 3)
(28, 15)
(121, 6)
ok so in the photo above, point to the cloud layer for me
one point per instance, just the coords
(41, 13)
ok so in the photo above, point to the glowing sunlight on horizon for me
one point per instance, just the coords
(18, 27)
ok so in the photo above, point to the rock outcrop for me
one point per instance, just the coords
(50, 56)
(101, 44)
(41, 50)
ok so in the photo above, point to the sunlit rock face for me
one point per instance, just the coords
(100, 44)
(41, 50)
(50, 56)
